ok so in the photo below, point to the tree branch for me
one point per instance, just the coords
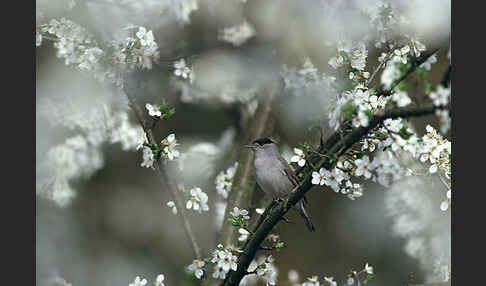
(129, 87)
(244, 182)
(333, 146)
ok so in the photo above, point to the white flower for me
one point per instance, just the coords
(449, 194)
(259, 211)
(138, 282)
(244, 234)
(318, 178)
(358, 56)
(172, 205)
(368, 268)
(417, 47)
(311, 281)
(440, 96)
(336, 62)
(38, 39)
(363, 167)
(330, 280)
(198, 200)
(141, 142)
(401, 98)
(148, 158)
(219, 273)
(350, 281)
(361, 120)
(237, 213)
(299, 158)
(401, 54)
(146, 38)
(197, 266)
(169, 149)
(390, 74)
(237, 35)
(153, 110)
(181, 69)
(159, 281)
(224, 181)
(225, 259)
(444, 206)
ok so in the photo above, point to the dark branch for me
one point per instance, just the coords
(333, 146)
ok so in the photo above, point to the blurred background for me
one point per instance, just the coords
(111, 222)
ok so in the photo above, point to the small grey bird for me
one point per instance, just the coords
(274, 175)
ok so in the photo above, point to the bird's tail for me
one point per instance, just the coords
(303, 213)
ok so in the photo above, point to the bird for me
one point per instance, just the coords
(275, 176)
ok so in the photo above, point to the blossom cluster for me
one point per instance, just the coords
(306, 80)
(137, 49)
(360, 102)
(77, 47)
(198, 200)
(81, 155)
(338, 180)
(224, 181)
(183, 70)
(263, 269)
(159, 281)
(351, 55)
(224, 259)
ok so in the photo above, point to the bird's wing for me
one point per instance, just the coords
(289, 172)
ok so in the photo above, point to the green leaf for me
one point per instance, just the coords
(404, 133)
(349, 110)
(421, 72)
(370, 276)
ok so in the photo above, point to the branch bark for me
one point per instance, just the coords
(130, 89)
(244, 180)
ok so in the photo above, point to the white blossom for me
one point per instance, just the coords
(237, 35)
(330, 280)
(299, 158)
(358, 56)
(138, 282)
(336, 62)
(401, 98)
(181, 69)
(224, 181)
(170, 144)
(244, 234)
(440, 96)
(361, 120)
(312, 281)
(153, 110)
(148, 158)
(237, 213)
(197, 267)
(363, 167)
(198, 200)
(225, 259)
(159, 280)
(259, 211)
(368, 268)
(172, 205)
(401, 54)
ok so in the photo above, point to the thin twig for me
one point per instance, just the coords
(129, 89)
